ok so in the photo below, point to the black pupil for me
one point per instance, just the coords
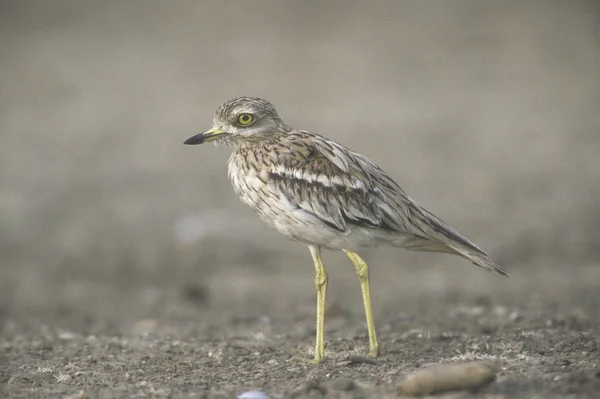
(245, 118)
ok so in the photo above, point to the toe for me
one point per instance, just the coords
(315, 360)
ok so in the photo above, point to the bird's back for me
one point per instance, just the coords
(318, 191)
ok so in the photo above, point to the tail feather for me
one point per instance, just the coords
(432, 234)
(424, 245)
(481, 260)
(475, 255)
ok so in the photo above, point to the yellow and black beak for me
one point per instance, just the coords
(205, 137)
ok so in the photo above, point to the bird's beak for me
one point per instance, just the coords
(205, 137)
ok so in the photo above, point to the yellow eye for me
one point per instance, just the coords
(245, 119)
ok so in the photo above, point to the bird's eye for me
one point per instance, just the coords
(245, 119)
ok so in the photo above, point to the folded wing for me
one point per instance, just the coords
(343, 188)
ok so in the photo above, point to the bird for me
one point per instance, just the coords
(317, 191)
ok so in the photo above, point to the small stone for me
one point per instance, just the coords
(514, 316)
(414, 333)
(447, 377)
(360, 359)
(66, 335)
(253, 395)
(343, 363)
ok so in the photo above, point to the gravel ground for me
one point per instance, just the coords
(129, 269)
(541, 333)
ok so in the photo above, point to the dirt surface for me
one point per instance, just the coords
(545, 343)
(129, 269)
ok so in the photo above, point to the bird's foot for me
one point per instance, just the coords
(373, 353)
(315, 360)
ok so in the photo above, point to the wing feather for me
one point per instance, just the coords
(343, 188)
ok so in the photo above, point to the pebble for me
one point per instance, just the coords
(253, 395)
(358, 359)
(447, 377)
(67, 335)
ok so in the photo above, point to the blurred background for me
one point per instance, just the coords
(485, 112)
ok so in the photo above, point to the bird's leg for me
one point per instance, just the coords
(321, 285)
(362, 272)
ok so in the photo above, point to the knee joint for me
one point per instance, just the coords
(362, 271)
(321, 279)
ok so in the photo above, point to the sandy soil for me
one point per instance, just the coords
(129, 269)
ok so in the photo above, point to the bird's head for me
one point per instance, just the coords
(242, 120)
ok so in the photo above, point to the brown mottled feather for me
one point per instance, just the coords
(344, 189)
(319, 192)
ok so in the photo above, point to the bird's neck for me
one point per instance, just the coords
(245, 142)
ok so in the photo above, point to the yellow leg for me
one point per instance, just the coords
(362, 271)
(321, 285)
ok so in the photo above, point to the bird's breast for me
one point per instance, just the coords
(250, 179)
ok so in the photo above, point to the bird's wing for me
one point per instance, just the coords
(343, 188)
(320, 178)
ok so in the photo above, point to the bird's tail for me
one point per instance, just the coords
(480, 259)
(437, 236)
(474, 253)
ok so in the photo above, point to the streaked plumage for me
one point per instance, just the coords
(319, 192)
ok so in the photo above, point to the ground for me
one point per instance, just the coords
(128, 268)
(207, 341)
